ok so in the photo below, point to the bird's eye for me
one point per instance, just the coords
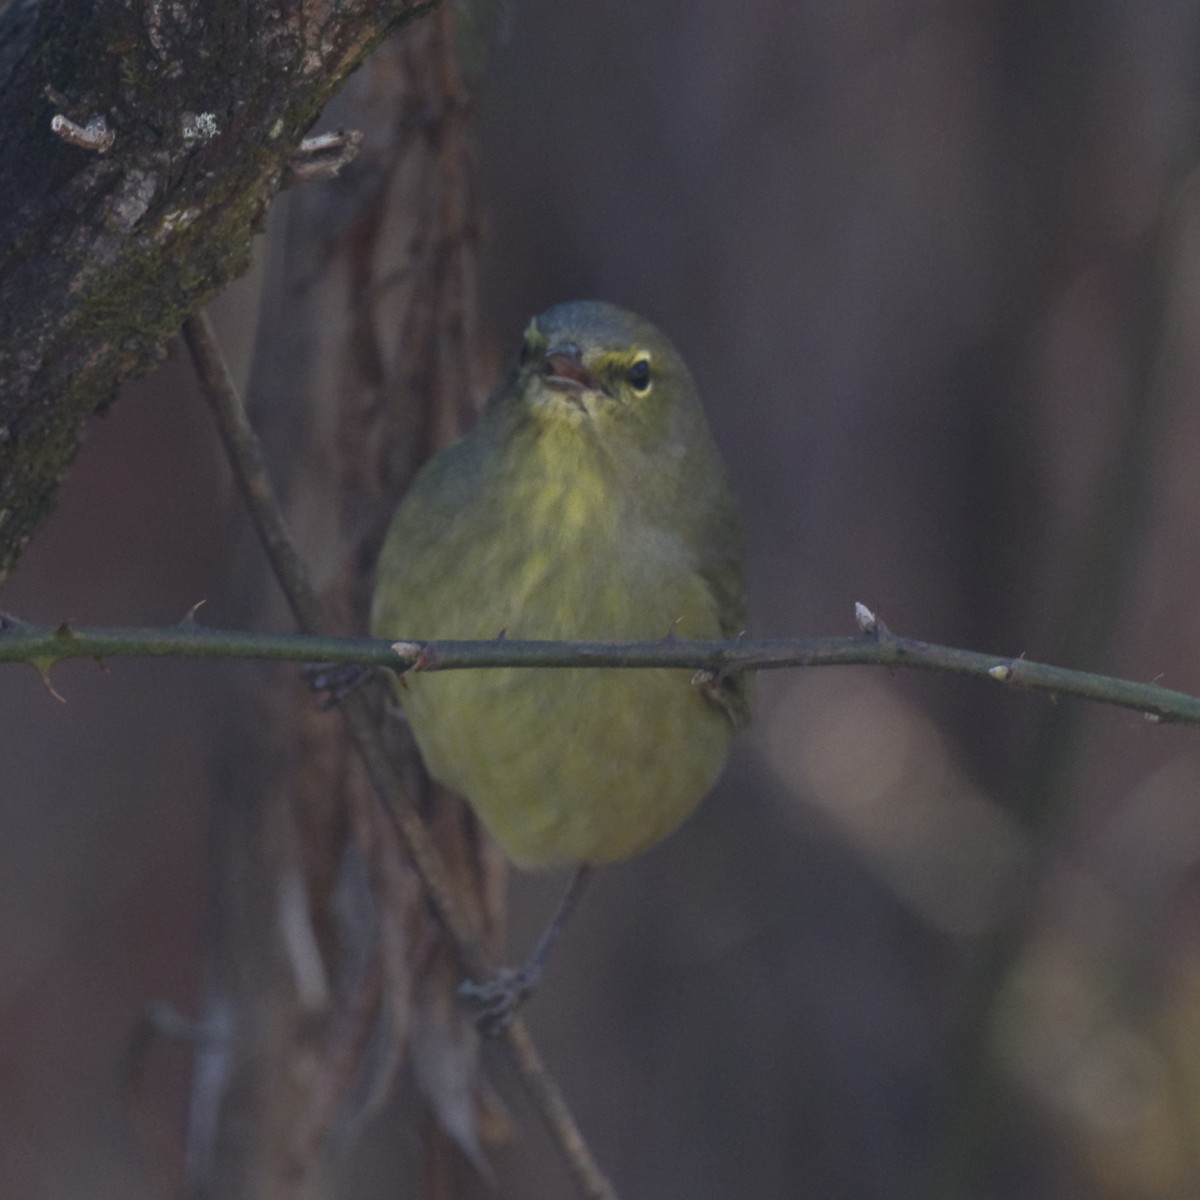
(639, 375)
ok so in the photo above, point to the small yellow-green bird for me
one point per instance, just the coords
(588, 503)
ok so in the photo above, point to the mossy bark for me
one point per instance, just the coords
(102, 255)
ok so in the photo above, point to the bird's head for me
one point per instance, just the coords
(604, 370)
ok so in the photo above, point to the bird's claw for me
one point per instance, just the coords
(497, 1000)
(336, 681)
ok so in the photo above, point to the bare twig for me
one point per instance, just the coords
(247, 460)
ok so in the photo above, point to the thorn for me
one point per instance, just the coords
(1153, 718)
(189, 618)
(502, 634)
(672, 634)
(1001, 672)
(42, 666)
(102, 665)
(64, 629)
(864, 618)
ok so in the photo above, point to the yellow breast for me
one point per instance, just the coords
(562, 766)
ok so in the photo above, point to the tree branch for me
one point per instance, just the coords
(42, 646)
(142, 144)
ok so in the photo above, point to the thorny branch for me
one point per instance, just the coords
(42, 646)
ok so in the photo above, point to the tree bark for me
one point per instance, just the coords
(194, 113)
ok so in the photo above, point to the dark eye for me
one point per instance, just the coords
(639, 375)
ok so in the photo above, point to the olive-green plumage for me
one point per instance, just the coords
(589, 502)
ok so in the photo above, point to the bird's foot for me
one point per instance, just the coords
(333, 682)
(497, 1000)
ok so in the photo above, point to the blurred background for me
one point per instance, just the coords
(933, 268)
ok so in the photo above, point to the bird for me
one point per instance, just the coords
(588, 502)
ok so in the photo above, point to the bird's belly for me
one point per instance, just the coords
(585, 766)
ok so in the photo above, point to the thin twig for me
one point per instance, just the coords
(43, 646)
(248, 463)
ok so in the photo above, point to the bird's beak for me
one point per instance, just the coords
(564, 371)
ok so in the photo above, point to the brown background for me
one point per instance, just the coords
(933, 267)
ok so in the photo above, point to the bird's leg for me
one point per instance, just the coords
(496, 1001)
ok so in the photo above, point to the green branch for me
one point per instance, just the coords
(43, 647)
